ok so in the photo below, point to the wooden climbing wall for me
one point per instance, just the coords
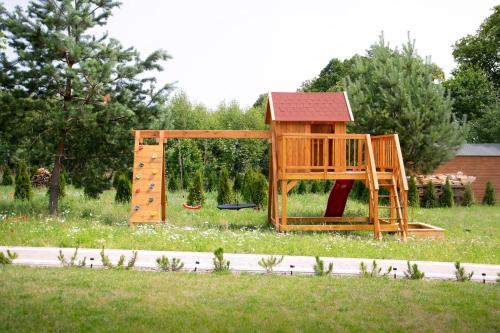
(148, 186)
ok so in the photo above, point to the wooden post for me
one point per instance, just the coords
(284, 196)
(270, 188)
(163, 181)
(274, 154)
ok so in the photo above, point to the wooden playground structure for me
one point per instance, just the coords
(308, 141)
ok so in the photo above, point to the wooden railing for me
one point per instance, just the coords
(322, 152)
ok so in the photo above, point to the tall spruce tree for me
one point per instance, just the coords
(394, 91)
(73, 81)
(7, 176)
(225, 192)
(23, 190)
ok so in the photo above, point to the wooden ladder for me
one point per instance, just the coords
(395, 206)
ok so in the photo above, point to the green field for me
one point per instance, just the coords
(472, 234)
(83, 300)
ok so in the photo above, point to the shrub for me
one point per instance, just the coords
(413, 195)
(225, 192)
(7, 259)
(211, 182)
(173, 183)
(270, 262)
(23, 189)
(430, 197)
(446, 199)
(238, 183)
(489, 194)
(327, 186)
(460, 273)
(220, 264)
(359, 191)
(164, 264)
(123, 190)
(319, 267)
(72, 261)
(120, 265)
(196, 195)
(7, 176)
(255, 188)
(468, 199)
(413, 273)
(376, 271)
(301, 188)
(315, 188)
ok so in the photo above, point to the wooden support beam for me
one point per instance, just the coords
(274, 170)
(284, 196)
(291, 185)
(205, 134)
(339, 227)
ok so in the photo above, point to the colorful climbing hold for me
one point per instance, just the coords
(151, 199)
(140, 147)
(151, 186)
(141, 165)
(138, 190)
(136, 207)
(155, 172)
(138, 176)
(154, 156)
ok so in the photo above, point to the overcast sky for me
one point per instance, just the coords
(235, 50)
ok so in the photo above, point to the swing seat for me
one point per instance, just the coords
(236, 206)
(185, 205)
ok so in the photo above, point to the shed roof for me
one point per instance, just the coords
(308, 106)
(480, 149)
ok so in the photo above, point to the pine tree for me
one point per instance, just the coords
(225, 192)
(327, 186)
(430, 196)
(7, 176)
(446, 199)
(489, 194)
(69, 79)
(23, 189)
(394, 91)
(123, 189)
(315, 188)
(413, 195)
(173, 183)
(211, 182)
(196, 195)
(255, 188)
(468, 199)
(238, 183)
(301, 188)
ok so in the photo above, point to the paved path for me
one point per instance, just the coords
(47, 256)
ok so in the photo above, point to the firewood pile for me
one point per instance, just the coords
(458, 182)
(42, 178)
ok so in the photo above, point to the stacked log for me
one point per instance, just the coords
(458, 182)
(42, 178)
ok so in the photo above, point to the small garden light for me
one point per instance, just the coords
(196, 267)
(395, 271)
(291, 269)
(91, 262)
(484, 277)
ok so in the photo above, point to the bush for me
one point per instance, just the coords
(489, 194)
(23, 189)
(359, 191)
(319, 267)
(413, 195)
(196, 195)
(327, 186)
(270, 262)
(315, 187)
(211, 182)
(120, 265)
(430, 197)
(468, 196)
(376, 271)
(123, 189)
(446, 199)
(301, 188)
(7, 176)
(72, 261)
(220, 264)
(413, 273)
(238, 183)
(460, 274)
(166, 265)
(7, 259)
(173, 183)
(255, 188)
(225, 192)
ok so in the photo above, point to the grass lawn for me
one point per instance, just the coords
(82, 300)
(472, 234)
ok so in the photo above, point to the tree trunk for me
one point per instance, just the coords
(54, 179)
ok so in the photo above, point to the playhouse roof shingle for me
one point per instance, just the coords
(308, 106)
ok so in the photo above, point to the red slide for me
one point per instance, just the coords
(338, 198)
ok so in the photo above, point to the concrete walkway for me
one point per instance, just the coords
(202, 261)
